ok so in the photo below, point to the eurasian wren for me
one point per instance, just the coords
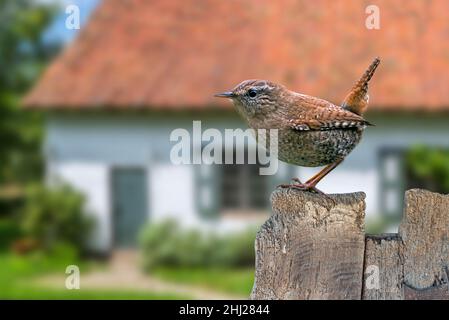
(312, 132)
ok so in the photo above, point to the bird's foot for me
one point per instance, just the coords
(296, 180)
(305, 187)
(301, 186)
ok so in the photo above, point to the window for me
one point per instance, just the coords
(415, 167)
(233, 187)
(242, 186)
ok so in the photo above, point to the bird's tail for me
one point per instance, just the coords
(357, 99)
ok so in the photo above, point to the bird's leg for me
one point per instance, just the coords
(312, 182)
(310, 185)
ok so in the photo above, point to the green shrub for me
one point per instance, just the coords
(56, 215)
(241, 248)
(429, 168)
(9, 231)
(167, 244)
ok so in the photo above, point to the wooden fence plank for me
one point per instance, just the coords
(383, 268)
(311, 247)
(425, 239)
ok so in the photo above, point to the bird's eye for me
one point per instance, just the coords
(252, 93)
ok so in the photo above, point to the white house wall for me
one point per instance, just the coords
(83, 148)
(171, 193)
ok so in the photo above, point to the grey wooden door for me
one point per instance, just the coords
(129, 194)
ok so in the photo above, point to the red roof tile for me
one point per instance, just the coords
(177, 54)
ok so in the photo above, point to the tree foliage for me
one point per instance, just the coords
(23, 54)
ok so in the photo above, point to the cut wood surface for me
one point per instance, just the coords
(314, 247)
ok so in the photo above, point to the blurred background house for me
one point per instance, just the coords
(86, 117)
(140, 69)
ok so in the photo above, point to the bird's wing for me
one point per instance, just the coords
(318, 114)
(357, 100)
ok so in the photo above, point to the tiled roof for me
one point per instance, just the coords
(162, 54)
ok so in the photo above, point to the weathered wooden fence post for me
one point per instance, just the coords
(314, 247)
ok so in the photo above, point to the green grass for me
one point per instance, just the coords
(231, 281)
(17, 275)
(33, 293)
(18, 272)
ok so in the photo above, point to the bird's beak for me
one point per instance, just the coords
(227, 94)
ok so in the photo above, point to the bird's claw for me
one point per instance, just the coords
(296, 180)
(304, 187)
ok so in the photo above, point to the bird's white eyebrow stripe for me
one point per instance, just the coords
(265, 86)
(258, 85)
